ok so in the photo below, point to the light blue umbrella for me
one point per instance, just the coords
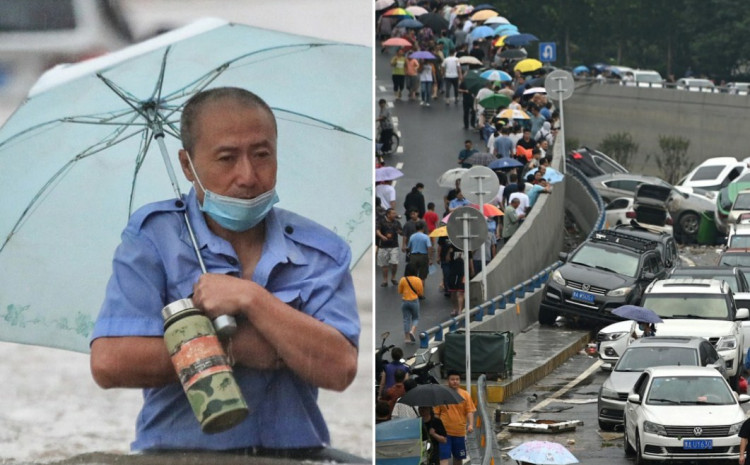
(580, 69)
(481, 32)
(79, 156)
(496, 75)
(550, 174)
(506, 29)
(542, 452)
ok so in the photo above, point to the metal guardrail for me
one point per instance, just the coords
(483, 429)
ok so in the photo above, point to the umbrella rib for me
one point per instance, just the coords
(333, 126)
(145, 144)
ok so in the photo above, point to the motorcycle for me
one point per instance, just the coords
(421, 366)
(380, 361)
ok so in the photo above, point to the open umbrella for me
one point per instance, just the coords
(434, 21)
(551, 175)
(482, 32)
(384, 4)
(513, 113)
(514, 54)
(398, 12)
(528, 65)
(429, 395)
(470, 60)
(397, 42)
(543, 453)
(488, 210)
(416, 10)
(580, 69)
(636, 313)
(462, 9)
(496, 75)
(495, 101)
(474, 82)
(422, 54)
(481, 158)
(90, 158)
(410, 23)
(481, 15)
(505, 29)
(519, 40)
(442, 231)
(535, 90)
(387, 173)
(504, 164)
(449, 178)
(496, 20)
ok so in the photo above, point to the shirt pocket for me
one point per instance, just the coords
(290, 297)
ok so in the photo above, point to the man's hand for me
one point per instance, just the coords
(470, 428)
(219, 294)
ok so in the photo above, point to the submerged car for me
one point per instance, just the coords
(593, 162)
(725, 212)
(645, 353)
(714, 173)
(683, 413)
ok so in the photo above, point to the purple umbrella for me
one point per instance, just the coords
(387, 173)
(422, 54)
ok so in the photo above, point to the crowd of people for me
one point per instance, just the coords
(521, 133)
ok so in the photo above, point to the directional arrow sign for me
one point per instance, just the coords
(548, 51)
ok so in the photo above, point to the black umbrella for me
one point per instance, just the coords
(434, 21)
(429, 395)
(513, 54)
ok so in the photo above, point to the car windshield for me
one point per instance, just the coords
(689, 390)
(707, 173)
(735, 259)
(607, 260)
(648, 77)
(688, 272)
(712, 306)
(741, 241)
(640, 358)
(742, 202)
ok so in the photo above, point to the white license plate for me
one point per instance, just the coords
(695, 444)
(583, 296)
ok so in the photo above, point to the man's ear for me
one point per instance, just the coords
(185, 165)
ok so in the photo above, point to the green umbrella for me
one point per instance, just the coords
(474, 82)
(495, 101)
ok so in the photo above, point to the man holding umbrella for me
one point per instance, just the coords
(279, 274)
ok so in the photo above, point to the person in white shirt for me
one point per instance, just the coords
(452, 74)
(522, 198)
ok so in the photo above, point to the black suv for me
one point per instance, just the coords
(667, 244)
(608, 270)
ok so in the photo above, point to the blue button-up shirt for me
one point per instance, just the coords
(419, 242)
(302, 263)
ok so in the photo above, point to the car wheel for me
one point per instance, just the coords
(547, 317)
(629, 451)
(689, 224)
(639, 460)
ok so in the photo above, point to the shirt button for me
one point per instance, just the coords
(289, 229)
(232, 261)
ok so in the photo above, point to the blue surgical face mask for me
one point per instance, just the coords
(233, 213)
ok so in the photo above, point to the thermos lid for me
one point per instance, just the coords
(176, 307)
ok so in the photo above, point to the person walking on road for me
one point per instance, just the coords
(410, 288)
(426, 78)
(386, 126)
(452, 74)
(387, 256)
(398, 72)
(458, 419)
(414, 200)
(420, 250)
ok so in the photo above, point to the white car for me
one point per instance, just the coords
(739, 236)
(683, 413)
(714, 173)
(696, 85)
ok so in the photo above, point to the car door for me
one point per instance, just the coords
(709, 357)
(631, 409)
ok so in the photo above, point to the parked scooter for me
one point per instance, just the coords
(421, 366)
(380, 361)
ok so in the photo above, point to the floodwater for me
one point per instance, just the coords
(51, 409)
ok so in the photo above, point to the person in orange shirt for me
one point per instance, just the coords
(412, 77)
(457, 418)
(410, 288)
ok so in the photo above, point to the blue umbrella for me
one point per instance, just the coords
(422, 54)
(520, 40)
(639, 314)
(506, 29)
(504, 163)
(496, 75)
(410, 23)
(581, 69)
(551, 175)
(87, 131)
(482, 32)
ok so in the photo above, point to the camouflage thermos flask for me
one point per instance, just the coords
(203, 367)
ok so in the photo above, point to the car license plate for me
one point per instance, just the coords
(583, 296)
(694, 444)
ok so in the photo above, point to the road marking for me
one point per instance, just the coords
(400, 165)
(561, 391)
(394, 119)
(381, 88)
(400, 150)
(389, 104)
(687, 260)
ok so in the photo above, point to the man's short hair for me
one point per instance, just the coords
(382, 409)
(420, 226)
(381, 101)
(454, 372)
(397, 354)
(197, 102)
(419, 185)
(389, 210)
(515, 200)
(468, 141)
(410, 384)
(430, 205)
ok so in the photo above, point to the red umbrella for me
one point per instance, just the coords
(489, 210)
(397, 41)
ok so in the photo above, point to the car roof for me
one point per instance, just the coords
(642, 231)
(719, 161)
(688, 285)
(667, 341)
(721, 270)
(683, 370)
(643, 177)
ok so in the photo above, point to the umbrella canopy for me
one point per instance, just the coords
(488, 210)
(504, 164)
(543, 453)
(519, 40)
(514, 54)
(398, 12)
(422, 54)
(495, 101)
(383, 4)
(535, 90)
(474, 82)
(580, 69)
(496, 75)
(397, 42)
(449, 178)
(416, 10)
(481, 32)
(387, 173)
(639, 314)
(485, 6)
(528, 65)
(470, 60)
(434, 21)
(496, 20)
(90, 158)
(462, 9)
(513, 113)
(442, 231)
(551, 175)
(410, 23)
(429, 395)
(506, 29)
(482, 15)
(481, 158)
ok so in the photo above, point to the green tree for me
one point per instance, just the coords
(619, 146)
(673, 161)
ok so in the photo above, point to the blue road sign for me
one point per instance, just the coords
(548, 51)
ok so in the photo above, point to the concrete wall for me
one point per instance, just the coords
(535, 245)
(715, 124)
